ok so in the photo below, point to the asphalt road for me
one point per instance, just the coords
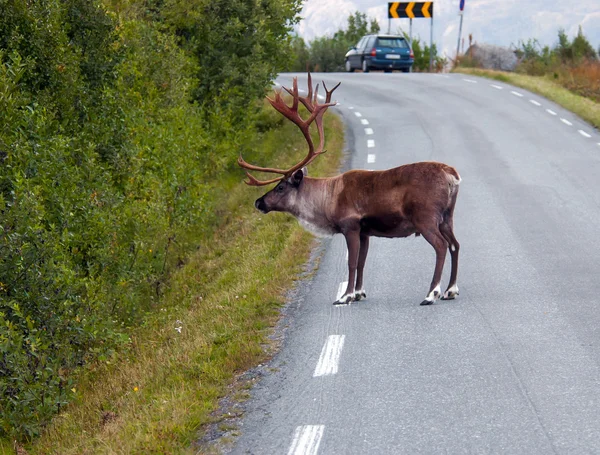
(512, 366)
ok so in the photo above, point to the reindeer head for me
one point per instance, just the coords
(282, 197)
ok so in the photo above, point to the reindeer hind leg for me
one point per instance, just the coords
(439, 244)
(447, 230)
(453, 247)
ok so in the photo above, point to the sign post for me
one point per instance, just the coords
(411, 10)
(461, 10)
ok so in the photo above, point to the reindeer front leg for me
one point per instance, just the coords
(353, 244)
(359, 292)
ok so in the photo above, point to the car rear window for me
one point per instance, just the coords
(392, 42)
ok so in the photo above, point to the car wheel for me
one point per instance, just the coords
(365, 66)
(349, 68)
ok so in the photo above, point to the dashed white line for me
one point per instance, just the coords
(306, 440)
(350, 107)
(470, 81)
(516, 93)
(550, 111)
(321, 97)
(330, 356)
(584, 134)
(534, 102)
(370, 143)
(566, 122)
(369, 131)
(496, 86)
(370, 158)
(358, 114)
(364, 121)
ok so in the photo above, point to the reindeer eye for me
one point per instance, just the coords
(280, 189)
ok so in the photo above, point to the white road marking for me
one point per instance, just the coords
(534, 102)
(551, 112)
(364, 121)
(306, 440)
(341, 289)
(350, 107)
(566, 122)
(470, 81)
(516, 93)
(583, 133)
(321, 97)
(496, 86)
(370, 158)
(358, 114)
(330, 356)
(370, 143)
(368, 131)
(301, 90)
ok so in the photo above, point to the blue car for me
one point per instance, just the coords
(381, 52)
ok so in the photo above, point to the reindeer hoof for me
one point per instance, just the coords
(344, 300)
(426, 302)
(360, 295)
(450, 293)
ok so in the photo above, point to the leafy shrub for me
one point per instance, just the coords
(107, 171)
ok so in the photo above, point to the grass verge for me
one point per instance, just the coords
(585, 108)
(212, 324)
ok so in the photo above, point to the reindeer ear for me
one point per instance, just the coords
(298, 176)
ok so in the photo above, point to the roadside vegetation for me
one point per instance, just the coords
(212, 322)
(120, 125)
(568, 73)
(326, 53)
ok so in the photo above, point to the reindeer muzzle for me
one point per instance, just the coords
(261, 206)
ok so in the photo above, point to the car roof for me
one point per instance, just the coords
(388, 36)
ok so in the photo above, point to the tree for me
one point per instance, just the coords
(239, 45)
(300, 55)
(582, 49)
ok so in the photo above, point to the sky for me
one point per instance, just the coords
(498, 22)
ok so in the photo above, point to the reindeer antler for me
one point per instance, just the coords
(316, 111)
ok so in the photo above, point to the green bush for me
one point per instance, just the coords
(114, 126)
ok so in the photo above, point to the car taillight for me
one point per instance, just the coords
(373, 52)
(412, 55)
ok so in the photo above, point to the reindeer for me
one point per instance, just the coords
(416, 198)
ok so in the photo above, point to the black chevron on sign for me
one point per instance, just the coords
(402, 9)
